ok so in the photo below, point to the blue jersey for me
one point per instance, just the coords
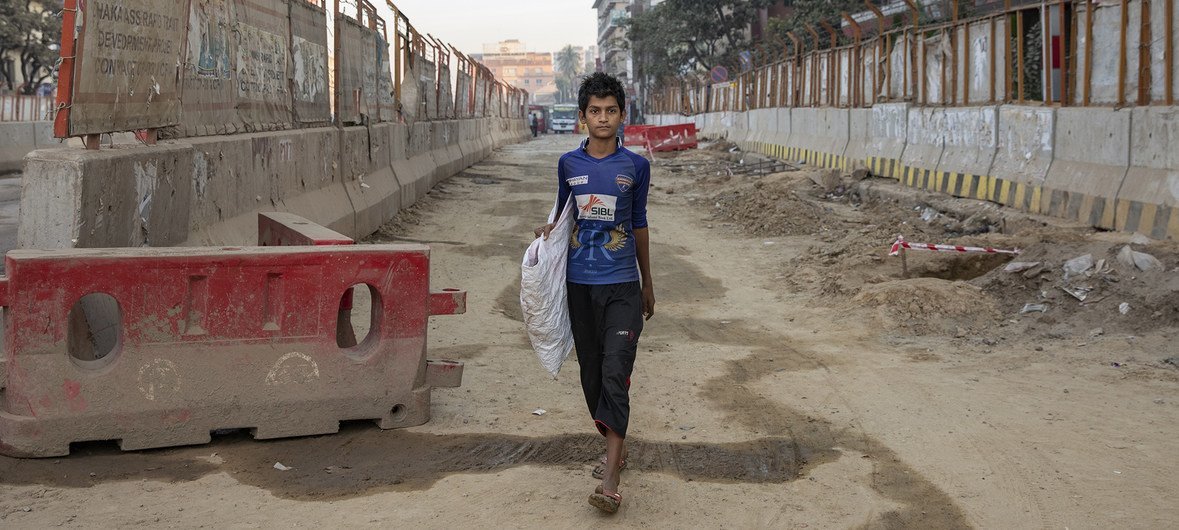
(611, 199)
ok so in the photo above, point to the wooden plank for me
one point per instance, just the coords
(1089, 5)
(1122, 51)
(1019, 36)
(966, 46)
(1169, 52)
(1046, 51)
(1070, 45)
(993, 60)
(1009, 70)
(1144, 43)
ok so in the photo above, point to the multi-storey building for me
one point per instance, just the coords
(511, 62)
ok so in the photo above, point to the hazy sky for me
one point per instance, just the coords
(543, 25)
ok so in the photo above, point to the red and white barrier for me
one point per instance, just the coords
(902, 244)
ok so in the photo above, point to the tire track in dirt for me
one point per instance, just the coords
(363, 460)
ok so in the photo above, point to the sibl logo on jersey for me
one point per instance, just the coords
(596, 207)
(577, 181)
(624, 183)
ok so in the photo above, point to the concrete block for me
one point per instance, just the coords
(780, 139)
(1025, 148)
(17, 139)
(240, 175)
(820, 134)
(859, 129)
(43, 135)
(924, 143)
(887, 136)
(970, 139)
(738, 128)
(1148, 201)
(1091, 152)
(72, 198)
(375, 199)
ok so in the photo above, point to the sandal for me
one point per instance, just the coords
(607, 502)
(600, 470)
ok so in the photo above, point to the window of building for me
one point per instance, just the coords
(539, 82)
(510, 71)
(525, 82)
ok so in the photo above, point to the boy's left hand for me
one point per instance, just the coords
(648, 301)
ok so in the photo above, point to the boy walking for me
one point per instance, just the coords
(609, 270)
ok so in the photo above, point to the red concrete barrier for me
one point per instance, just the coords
(288, 229)
(635, 135)
(212, 338)
(671, 138)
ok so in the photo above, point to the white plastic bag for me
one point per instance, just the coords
(543, 296)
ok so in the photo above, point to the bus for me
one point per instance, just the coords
(563, 118)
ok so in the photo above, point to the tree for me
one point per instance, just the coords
(569, 68)
(689, 37)
(812, 12)
(31, 30)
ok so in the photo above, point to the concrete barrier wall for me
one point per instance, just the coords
(1148, 201)
(1024, 154)
(208, 191)
(971, 139)
(887, 136)
(1113, 169)
(859, 130)
(20, 138)
(818, 136)
(1090, 157)
(924, 143)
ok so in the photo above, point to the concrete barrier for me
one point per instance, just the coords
(200, 331)
(818, 136)
(738, 128)
(1024, 154)
(1113, 169)
(780, 139)
(232, 177)
(20, 138)
(762, 126)
(858, 139)
(17, 139)
(970, 136)
(1090, 155)
(924, 144)
(889, 129)
(108, 198)
(207, 191)
(1148, 201)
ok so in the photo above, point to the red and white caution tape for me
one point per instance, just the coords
(901, 243)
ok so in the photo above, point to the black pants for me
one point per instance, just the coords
(607, 321)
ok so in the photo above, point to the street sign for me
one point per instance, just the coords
(720, 74)
(746, 61)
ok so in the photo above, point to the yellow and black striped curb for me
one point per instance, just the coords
(1158, 221)
(813, 158)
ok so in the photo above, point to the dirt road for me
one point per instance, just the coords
(789, 379)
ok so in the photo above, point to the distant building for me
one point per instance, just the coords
(613, 45)
(614, 48)
(511, 62)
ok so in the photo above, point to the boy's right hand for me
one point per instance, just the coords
(544, 230)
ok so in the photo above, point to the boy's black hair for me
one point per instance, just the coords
(600, 84)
